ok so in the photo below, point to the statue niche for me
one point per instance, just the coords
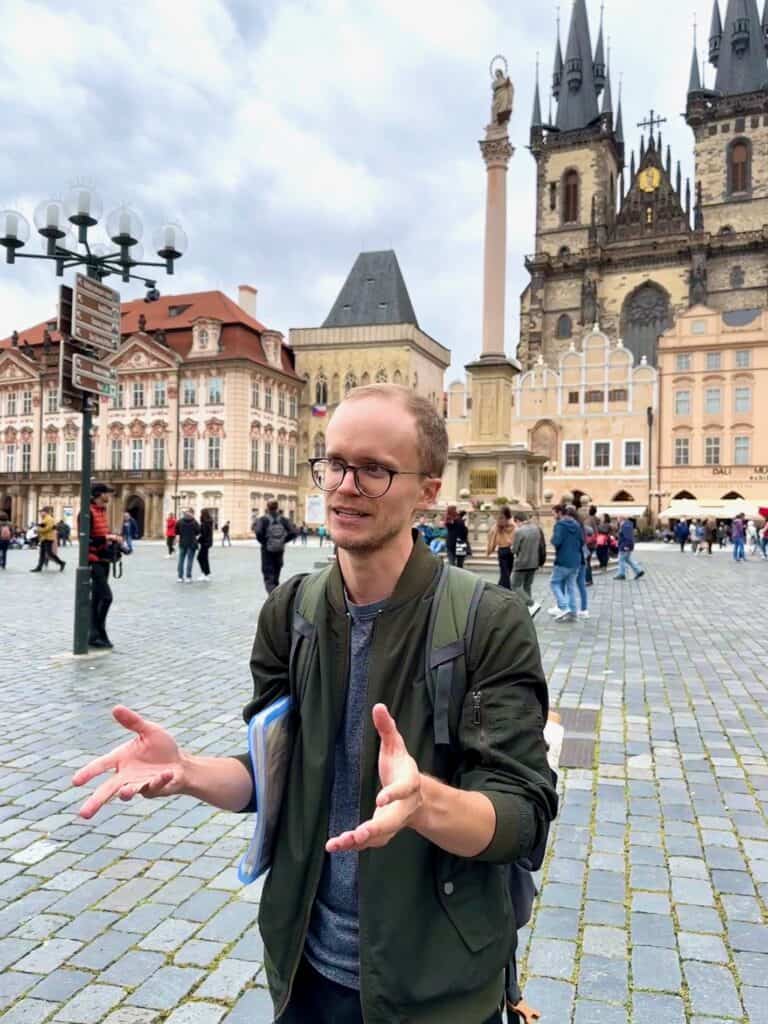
(644, 316)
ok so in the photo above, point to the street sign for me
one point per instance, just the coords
(64, 319)
(90, 375)
(69, 396)
(96, 314)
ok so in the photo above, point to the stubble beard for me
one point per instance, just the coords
(369, 545)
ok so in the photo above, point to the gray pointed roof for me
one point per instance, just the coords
(608, 95)
(577, 107)
(716, 25)
(536, 117)
(694, 82)
(742, 67)
(374, 293)
(619, 129)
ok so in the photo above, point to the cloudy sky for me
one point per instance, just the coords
(288, 135)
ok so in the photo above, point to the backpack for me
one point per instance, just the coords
(276, 536)
(5, 532)
(449, 636)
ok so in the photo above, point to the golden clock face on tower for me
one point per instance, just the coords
(649, 179)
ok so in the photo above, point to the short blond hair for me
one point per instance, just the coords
(432, 437)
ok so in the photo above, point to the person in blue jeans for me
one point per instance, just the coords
(738, 530)
(188, 532)
(568, 542)
(626, 547)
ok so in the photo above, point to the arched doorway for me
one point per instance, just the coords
(135, 505)
(622, 496)
(644, 316)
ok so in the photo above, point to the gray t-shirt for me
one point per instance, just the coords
(333, 945)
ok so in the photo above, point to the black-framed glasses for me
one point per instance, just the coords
(371, 480)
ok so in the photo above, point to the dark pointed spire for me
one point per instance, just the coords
(679, 180)
(669, 163)
(607, 95)
(577, 107)
(599, 65)
(694, 82)
(741, 64)
(557, 70)
(632, 166)
(618, 130)
(622, 187)
(715, 34)
(688, 199)
(698, 222)
(536, 117)
(642, 147)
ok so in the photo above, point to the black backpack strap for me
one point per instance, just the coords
(307, 601)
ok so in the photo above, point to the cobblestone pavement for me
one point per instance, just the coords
(654, 896)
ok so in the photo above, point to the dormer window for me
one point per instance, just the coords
(202, 338)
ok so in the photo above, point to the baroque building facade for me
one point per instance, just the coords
(205, 415)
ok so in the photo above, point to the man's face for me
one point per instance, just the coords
(375, 431)
(102, 499)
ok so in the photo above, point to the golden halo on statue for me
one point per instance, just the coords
(492, 66)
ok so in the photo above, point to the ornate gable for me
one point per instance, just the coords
(16, 370)
(652, 206)
(142, 352)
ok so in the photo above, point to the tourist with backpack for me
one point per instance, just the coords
(6, 536)
(273, 532)
(188, 532)
(418, 769)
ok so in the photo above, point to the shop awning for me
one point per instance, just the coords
(704, 508)
(630, 511)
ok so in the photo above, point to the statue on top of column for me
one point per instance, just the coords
(503, 94)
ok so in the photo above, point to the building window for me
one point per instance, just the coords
(573, 454)
(682, 451)
(564, 326)
(26, 457)
(699, 327)
(682, 403)
(118, 398)
(618, 395)
(293, 406)
(158, 453)
(69, 456)
(50, 456)
(159, 397)
(739, 167)
(117, 453)
(268, 398)
(381, 377)
(633, 454)
(202, 338)
(255, 394)
(319, 446)
(571, 197)
(267, 456)
(712, 451)
(26, 403)
(743, 359)
(10, 458)
(281, 402)
(737, 277)
(714, 361)
(188, 453)
(137, 394)
(683, 361)
(712, 401)
(594, 396)
(214, 391)
(350, 382)
(137, 453)
(553, 195)
(573, 398)
(10, 408)
(189, 392)
(52, 400)
(321, 391)
(281, 460)
(741, 451)
(214, 453)
(291, 461)
(743, 400)
(601, 455)
(254, 455)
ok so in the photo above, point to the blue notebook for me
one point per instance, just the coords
(270, 742)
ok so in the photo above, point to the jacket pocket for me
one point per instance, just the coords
(475, 898)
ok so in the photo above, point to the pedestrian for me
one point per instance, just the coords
(456, 537)
(62, 533)
(764, 541)
(603, 542)
(225, 538)
(500, 539)
(273, 533)
(626, 547)
(710, 534)
(6, 536)
(206, 543)
(752, 537)
(188, 531)
(693, 535)
(46, 533)
(99, 562)
(321, 533)
(583, 580)
(701, 536)
(129, 531)
(425, 529)
(386, 899)
(529, 553)
(304, 534)
(682, 533)
(170, 533)
(737, 538)
(568, 542)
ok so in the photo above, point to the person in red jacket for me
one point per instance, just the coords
(99, 541)
(170, 533)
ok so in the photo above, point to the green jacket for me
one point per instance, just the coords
(435, 930)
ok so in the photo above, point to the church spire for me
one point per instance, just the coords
(715, 34)
(536, 120)
(607, 95)
(599, 65)
(694, 82)
(741, 58)
(577, 107)
(619, 126)
(557, 71)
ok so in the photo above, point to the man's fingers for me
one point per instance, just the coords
(96, 800)
(397, 791)
(129, 719)
(105, 763)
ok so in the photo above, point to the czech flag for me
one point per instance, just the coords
(319, 410)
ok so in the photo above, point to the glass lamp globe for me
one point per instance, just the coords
(170, 242)
(14, 229)
(51, 219)
(83, 206)
(124, 226)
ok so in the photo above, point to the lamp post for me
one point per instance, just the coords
(56, 222)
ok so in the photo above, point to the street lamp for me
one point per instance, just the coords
(55, 222)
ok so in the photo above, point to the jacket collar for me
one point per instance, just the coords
(420, 573)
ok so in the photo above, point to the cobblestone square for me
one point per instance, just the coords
(654, 892)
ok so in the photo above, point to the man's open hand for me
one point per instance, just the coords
(400, 797)
(150, 764)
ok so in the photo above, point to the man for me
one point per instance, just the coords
(62, 533)
(626, 547)
(6, 536)
(188, 531)
(682, 533)
(426, 530)
(738, 533)
(225, 538)
(130, 531)
(273, 532)
(99, 562)
(406, 916)
(46, 532)
(529, 552)
(568, 542)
